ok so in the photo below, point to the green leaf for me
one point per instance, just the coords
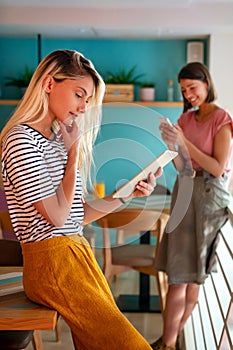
(22, 80)
(124, 77)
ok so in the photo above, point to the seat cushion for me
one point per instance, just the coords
(15, 340)
(10, 253)
(133, 255)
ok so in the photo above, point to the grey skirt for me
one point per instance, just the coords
(198, 211)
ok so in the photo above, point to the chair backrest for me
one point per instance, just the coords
(136, 220)
(131, 219)
(133, 222)
(7, 231)
(10, 253)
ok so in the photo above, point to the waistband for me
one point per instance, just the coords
(198, 172)
(51, 243)
(192, 173)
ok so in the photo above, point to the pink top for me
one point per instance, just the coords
(202, 134)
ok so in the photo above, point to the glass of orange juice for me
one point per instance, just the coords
(99, 189)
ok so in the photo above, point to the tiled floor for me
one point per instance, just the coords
(148, 324)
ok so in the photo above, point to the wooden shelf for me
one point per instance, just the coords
(146, 104)
(9, 102)
(161, 103)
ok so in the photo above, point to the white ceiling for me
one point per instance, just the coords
(116, 18)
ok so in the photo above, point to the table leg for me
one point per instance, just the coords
(142, 302)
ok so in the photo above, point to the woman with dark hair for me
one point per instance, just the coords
(203, 138)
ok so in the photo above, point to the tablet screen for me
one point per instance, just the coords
(163, 159)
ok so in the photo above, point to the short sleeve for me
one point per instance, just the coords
(25, 169)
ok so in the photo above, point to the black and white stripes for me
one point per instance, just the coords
(33, 168)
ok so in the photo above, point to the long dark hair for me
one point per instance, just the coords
(197, 71)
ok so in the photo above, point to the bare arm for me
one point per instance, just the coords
(169, 136)
(213, 164)
(100, 207)
(57, 207)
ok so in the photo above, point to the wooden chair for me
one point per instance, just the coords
(11, 255)
(119, 258)
(121, 234)
(15, 340)
(7, 231)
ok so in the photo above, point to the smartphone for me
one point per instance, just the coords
(165, 121)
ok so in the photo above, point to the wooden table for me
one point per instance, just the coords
(156, 202)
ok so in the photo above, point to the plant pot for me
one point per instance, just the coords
(147, 94)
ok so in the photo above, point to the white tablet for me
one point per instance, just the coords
(160, 161)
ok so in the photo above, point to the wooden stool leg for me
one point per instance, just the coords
(58, 329)
(37, 341)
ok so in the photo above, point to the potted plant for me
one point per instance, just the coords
(22, 81)
(120, 85)
(147, 91)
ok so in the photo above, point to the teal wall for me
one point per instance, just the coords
(129, 138)
(158, 60)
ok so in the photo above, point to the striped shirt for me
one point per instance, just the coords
(32, 169)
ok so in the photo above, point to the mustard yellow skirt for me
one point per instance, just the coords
(62, 273)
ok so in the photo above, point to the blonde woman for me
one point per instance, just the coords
(44, 190)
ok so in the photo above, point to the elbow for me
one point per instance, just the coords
(218, 173)
(57, 221)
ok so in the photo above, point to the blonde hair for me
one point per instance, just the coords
(63, 64)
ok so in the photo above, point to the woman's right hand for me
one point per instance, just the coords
(56, 208)
(172, 135)
(167, 135)
(70, 134)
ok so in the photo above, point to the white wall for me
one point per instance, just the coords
(221, 68)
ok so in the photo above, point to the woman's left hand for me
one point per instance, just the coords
(145, 188)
